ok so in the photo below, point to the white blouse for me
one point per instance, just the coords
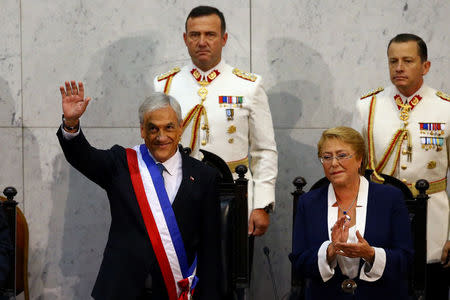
(349, 266)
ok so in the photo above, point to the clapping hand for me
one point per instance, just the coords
(360, 249)
(339, 234)
(73, 102)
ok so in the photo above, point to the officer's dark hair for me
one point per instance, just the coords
(203, 10)
(409, 37)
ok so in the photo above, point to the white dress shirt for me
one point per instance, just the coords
(349, 266)
(172, 174)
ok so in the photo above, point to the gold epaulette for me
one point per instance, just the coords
(168, 74)
(244, 75)
(443, 96)
(371, 93)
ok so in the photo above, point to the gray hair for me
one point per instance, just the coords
(156, 101)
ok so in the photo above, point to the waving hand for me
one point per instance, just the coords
(73, 102)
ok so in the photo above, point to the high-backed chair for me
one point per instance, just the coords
(417, 208)
(234, 224)
(18, 276)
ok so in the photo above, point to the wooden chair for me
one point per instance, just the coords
(234, 225)
(18, 277)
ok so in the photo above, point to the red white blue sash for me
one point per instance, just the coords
(161, 224)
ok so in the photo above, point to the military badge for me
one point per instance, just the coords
(230, 114)
(231, 129)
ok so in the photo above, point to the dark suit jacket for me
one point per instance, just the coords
(128, 257)
(387, 227)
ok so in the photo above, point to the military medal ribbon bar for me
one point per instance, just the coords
(231, 99)
(432, 142)
(432, 128)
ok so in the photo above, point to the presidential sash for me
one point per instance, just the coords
(161, 224)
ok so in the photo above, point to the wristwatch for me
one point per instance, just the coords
(76, 127)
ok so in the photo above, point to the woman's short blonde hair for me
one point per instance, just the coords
(348, 136)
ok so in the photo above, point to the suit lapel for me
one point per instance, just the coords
(322, 212)
(187, 180)
(371, 216)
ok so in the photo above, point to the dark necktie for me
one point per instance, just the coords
(161, 169)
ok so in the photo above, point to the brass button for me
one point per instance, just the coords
(203, 143)
(404, 152)
(231, 141)
(431, 164)
(404, 167)
(203, 127)
(404, 180)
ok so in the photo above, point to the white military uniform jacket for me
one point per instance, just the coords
(428, 127)
(239, 124)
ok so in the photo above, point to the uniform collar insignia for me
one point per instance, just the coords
(210, 77)
(412, 103)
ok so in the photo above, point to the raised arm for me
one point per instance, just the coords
(73, 103)
(98, 165)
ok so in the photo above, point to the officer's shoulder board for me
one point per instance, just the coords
(244, 75)
(168, 74)
(443, 96)
(371, 93)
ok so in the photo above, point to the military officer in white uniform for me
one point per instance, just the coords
(225, 111)
(407, 129)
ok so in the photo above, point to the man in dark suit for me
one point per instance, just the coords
(137, 247)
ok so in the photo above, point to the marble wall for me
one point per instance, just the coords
(317, 57)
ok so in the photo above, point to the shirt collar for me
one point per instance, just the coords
(419, 92)
(172, 164)
(218, 67)
(363, 193)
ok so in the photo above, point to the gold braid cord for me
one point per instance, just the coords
(194, 114)
(199, 111)
(370, 139)
(396, 141)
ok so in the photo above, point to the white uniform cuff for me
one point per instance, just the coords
(263, 196)
(326, 270)
(374, 272)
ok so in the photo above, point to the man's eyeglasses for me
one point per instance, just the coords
(327, 159)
